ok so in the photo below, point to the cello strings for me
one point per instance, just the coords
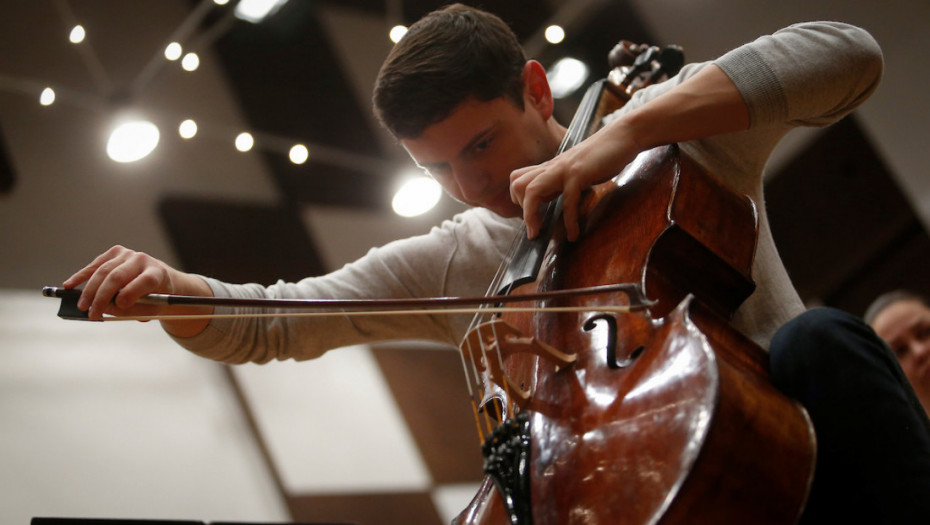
(500, 363)
(478, 319)
(477, 379)
(576, 132)
(487, 367)
(471, 391)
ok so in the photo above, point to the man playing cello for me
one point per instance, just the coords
(461, 97)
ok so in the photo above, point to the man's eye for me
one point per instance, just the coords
(481, 146)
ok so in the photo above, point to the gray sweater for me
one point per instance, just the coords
(808, 74)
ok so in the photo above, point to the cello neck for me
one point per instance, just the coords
(634, 67)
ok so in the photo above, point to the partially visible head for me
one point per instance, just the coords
(446, 57)
(887, 299)
(902, 319)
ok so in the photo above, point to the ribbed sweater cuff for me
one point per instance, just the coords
(758, 84)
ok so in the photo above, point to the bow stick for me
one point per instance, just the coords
(69, 298)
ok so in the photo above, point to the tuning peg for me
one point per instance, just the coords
(671, 58)
(622, 54)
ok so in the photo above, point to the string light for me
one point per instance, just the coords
(566, 76)
(77, 34)
(555, 34)
(47, 97)
(190, 62)
(135, 140)
(132, 141)
(173, 51)
(416, 196)
(257, 10)
(299, 154)
(187, 129)
(244, 141)
(397, 32)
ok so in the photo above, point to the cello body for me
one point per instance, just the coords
(666, 414)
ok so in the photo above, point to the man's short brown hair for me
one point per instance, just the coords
(449, 55)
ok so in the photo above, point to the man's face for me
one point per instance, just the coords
(905, 325)
(472, 151)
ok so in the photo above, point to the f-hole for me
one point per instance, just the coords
(612, 361)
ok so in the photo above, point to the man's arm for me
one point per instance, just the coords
(706, 104)
(809, 74)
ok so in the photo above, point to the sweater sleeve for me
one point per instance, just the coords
(809, 74)
(457, 258)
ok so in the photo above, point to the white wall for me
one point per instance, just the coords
(112, 420)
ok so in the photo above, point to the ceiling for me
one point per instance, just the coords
(281, 69)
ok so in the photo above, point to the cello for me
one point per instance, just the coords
(659, 414)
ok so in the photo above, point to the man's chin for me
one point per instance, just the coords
(505, 207)
(508, 213)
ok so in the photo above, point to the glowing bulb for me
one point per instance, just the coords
(77, 34)
(47, 97)
(555, 34)
(220, 2)
(397, 32)
(566, 76)
(190, 62)
(299, 154)
(244, 141)
(132, 141)
(173, 51)
(416, 197)
(187, 129)
(257, 10)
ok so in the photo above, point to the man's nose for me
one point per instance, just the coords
(471, 182)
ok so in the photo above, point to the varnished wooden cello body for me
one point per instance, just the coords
(661, 415)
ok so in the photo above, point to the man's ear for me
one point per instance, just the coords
(536, 90)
